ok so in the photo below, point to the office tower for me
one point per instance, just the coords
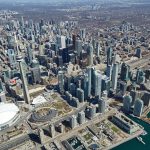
(22, 22)
(65, 55)
(68, 97)
(11, 41)
(91, 111)
(29, 55)
(83, 33)
(52, 130)
(12, 57)
(78, 47)
(138, 107)
(109, 71)
(81, 117)
(109, 56)
(89, 85)
(60, 61)
(85, 86)
(138, 52)
(97, 83)
(35, 71)
(61, 41)
(145, 96)
(105, 83)
(68, 80)
(127, 103)
(73, 121)
(73, 89)
(121, 87)
(114, 76)
(61, 81)
(101, 105)
(98, 49)
(24, 83)
(75, 102)
(80, 95)
(90, 55)
(140, 76)
(125, 72)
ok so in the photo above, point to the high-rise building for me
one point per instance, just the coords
(125, 72)
(109, 56)
(73, 121)
(52, 130)
(35, 71)
(109, 71)
(140, 76)
(138, 52)
(29, 55)
(91, 111)
(61, 41)
(101, 105)
(89, 72)
(83, 33)
(97, 83)
(127, 102)
(138, 107)
(90, 55)
(73, 89)
(61, 81)
(105, 83)
(12, 57)
(81, 117)
(115, 76)
(78, 47)
(80, 95)
(98, 49)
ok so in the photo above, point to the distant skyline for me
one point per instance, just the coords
(55, 1)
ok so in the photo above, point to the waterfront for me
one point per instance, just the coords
(134, 143)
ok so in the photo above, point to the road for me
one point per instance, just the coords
(139, 62)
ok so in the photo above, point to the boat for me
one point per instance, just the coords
(140, 140)
(144, 133)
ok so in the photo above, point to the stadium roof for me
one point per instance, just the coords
(7, 112)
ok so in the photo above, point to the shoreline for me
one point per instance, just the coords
(125, 140)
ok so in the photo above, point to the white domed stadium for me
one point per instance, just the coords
(9, 114)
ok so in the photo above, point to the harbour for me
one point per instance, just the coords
(135, 143)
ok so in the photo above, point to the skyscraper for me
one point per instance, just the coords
(90, 55)
(109, 56)
(78, 47)
(127, 102)
(101, 105)
(109, 71)
(12, 57)
(97, 83)
(73, 121)
(81, 117)
(124, 72)
(115, 76)
(61, 41)
(89, 72)
(80, 95)
(61, 81)
(138, 107)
